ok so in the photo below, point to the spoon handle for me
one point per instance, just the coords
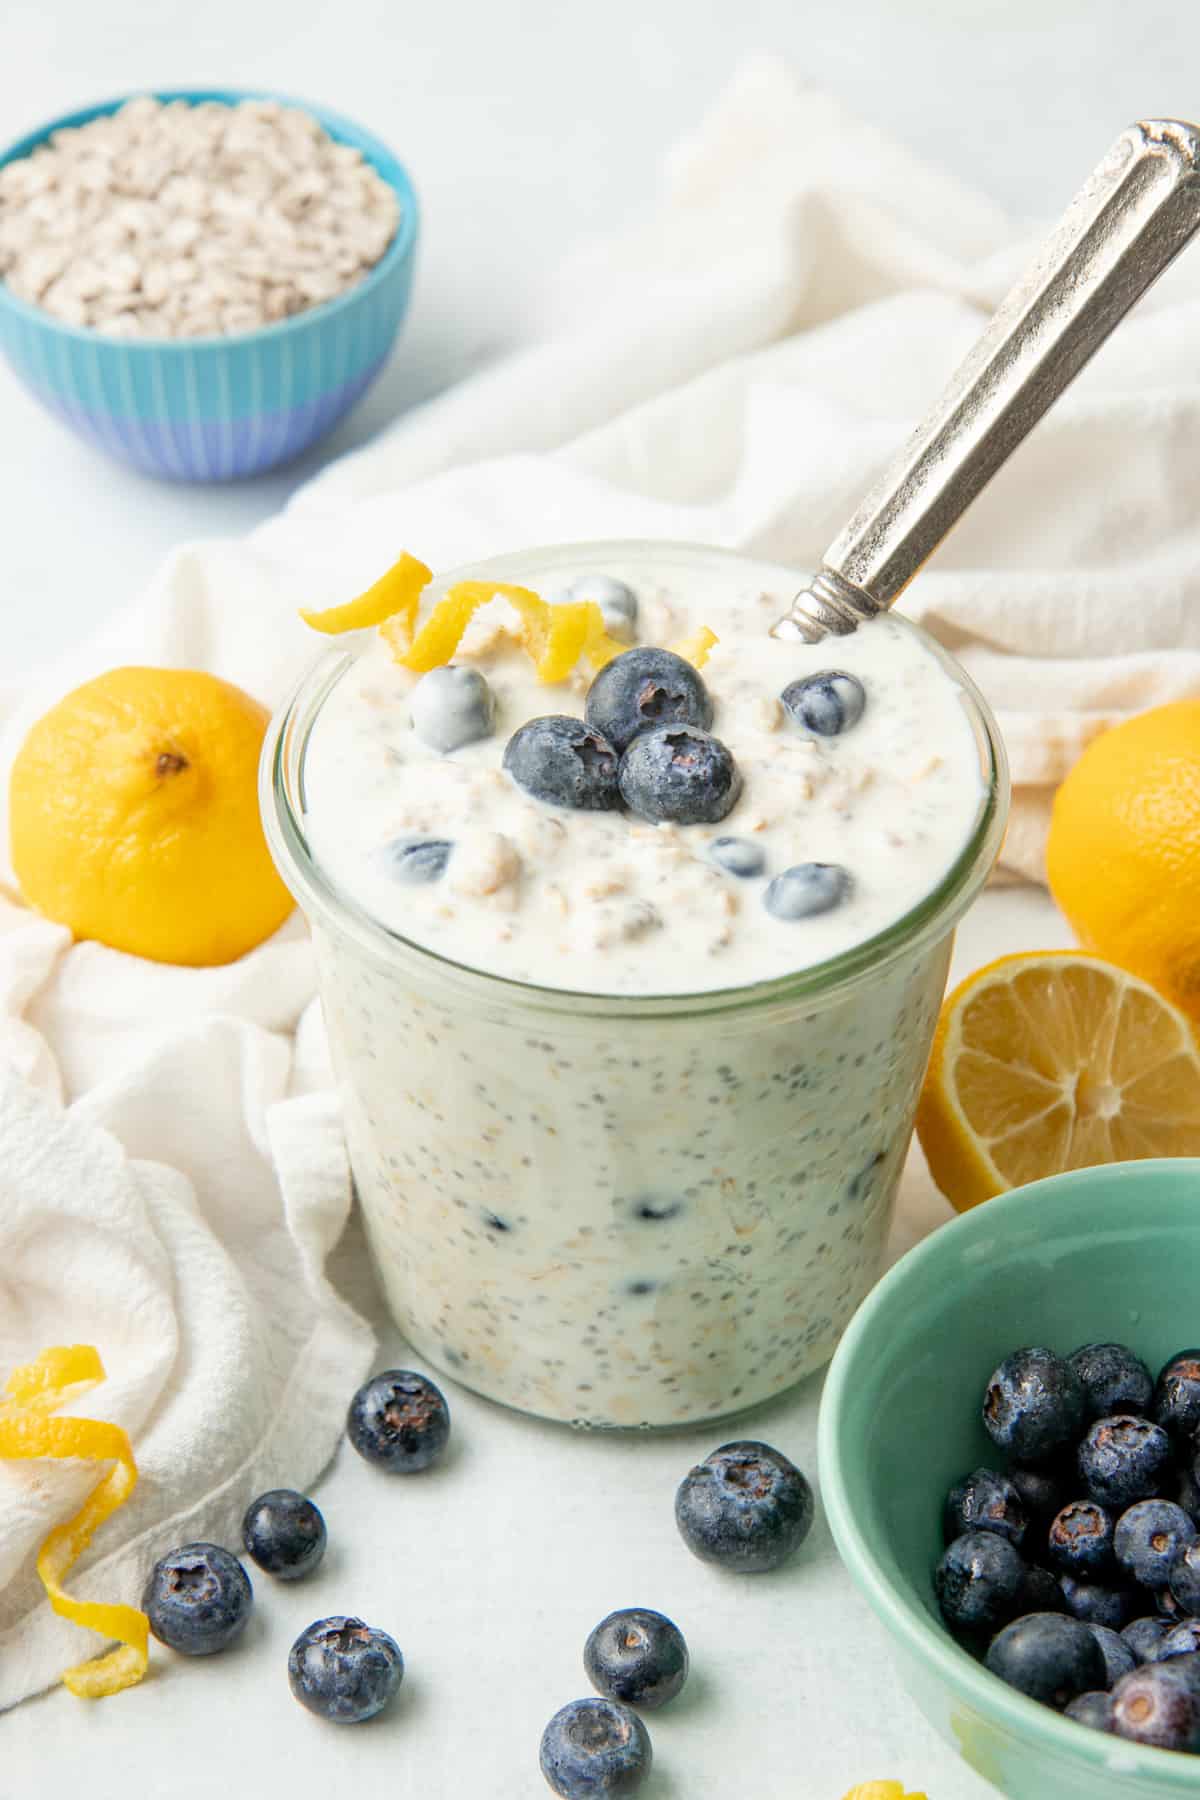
(1131, 219)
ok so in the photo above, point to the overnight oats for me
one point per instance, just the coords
(632, 925)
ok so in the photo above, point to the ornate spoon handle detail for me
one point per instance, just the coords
(1129, 222)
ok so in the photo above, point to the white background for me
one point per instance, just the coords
(526, 125)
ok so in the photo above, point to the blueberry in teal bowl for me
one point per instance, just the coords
(1094, 1257)
(202, 282)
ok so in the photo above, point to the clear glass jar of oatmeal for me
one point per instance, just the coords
(626, 1209)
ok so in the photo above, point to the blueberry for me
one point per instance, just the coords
(745, 1507)
(644, 689)
(680, 774)
(1145, 1635)
(1181, 1640)
(1042, 1494)
(1033, 1406)
(1148, 1538)
(1159, 1704)
(1096, 1603)
(737, 856)
(399, 1421)
(1048, 1657)
(1080, 1539)
(1168, 1606)
(655, 1209)
(617, 602)
(1183, 1581)
(343, 1670)
(978, 1581)
(636, 1656)
(1123, 1459)
(826, 704)
(1040, 1592)
(284, 1533)
(1187, 1494)
(451, 707)
(807, 889)
(1094, 1710)
(984, 1501)
(198, 1599)
(417, 860)
(1114, 1380)
(565, 763)
(595, 1747)
(1176, 1402)
(1118, 1656)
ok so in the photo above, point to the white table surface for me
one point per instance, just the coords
(526, 125)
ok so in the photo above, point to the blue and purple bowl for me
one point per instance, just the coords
(218, 408)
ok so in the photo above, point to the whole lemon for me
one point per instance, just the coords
(134, 817)
(1123, 856)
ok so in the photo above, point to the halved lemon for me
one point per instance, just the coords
(1053, 1060)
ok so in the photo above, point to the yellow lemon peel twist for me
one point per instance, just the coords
(554, 636)
(396, 594)
(881, 1790)
(695, 649)
(29, 1429)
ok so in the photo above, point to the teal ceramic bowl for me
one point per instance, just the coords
(218, 408)
(1100, 1254)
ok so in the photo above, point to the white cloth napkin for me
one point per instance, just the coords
(734, 370)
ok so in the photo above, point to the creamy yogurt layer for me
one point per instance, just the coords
(445, 848)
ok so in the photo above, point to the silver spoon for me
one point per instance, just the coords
(1133, 217)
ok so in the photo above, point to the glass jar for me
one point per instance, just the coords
(623, 1211)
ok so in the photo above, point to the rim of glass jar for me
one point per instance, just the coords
(281, 801)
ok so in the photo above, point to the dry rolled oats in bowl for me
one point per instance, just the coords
(202, 283)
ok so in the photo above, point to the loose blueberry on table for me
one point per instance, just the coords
(637, 1656)
(399, 1421)
(745, 1508)
(343, 1670)
(595, 1746)
(198, 1599)
(284, 1533)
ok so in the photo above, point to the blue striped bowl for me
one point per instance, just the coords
(216, 408)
